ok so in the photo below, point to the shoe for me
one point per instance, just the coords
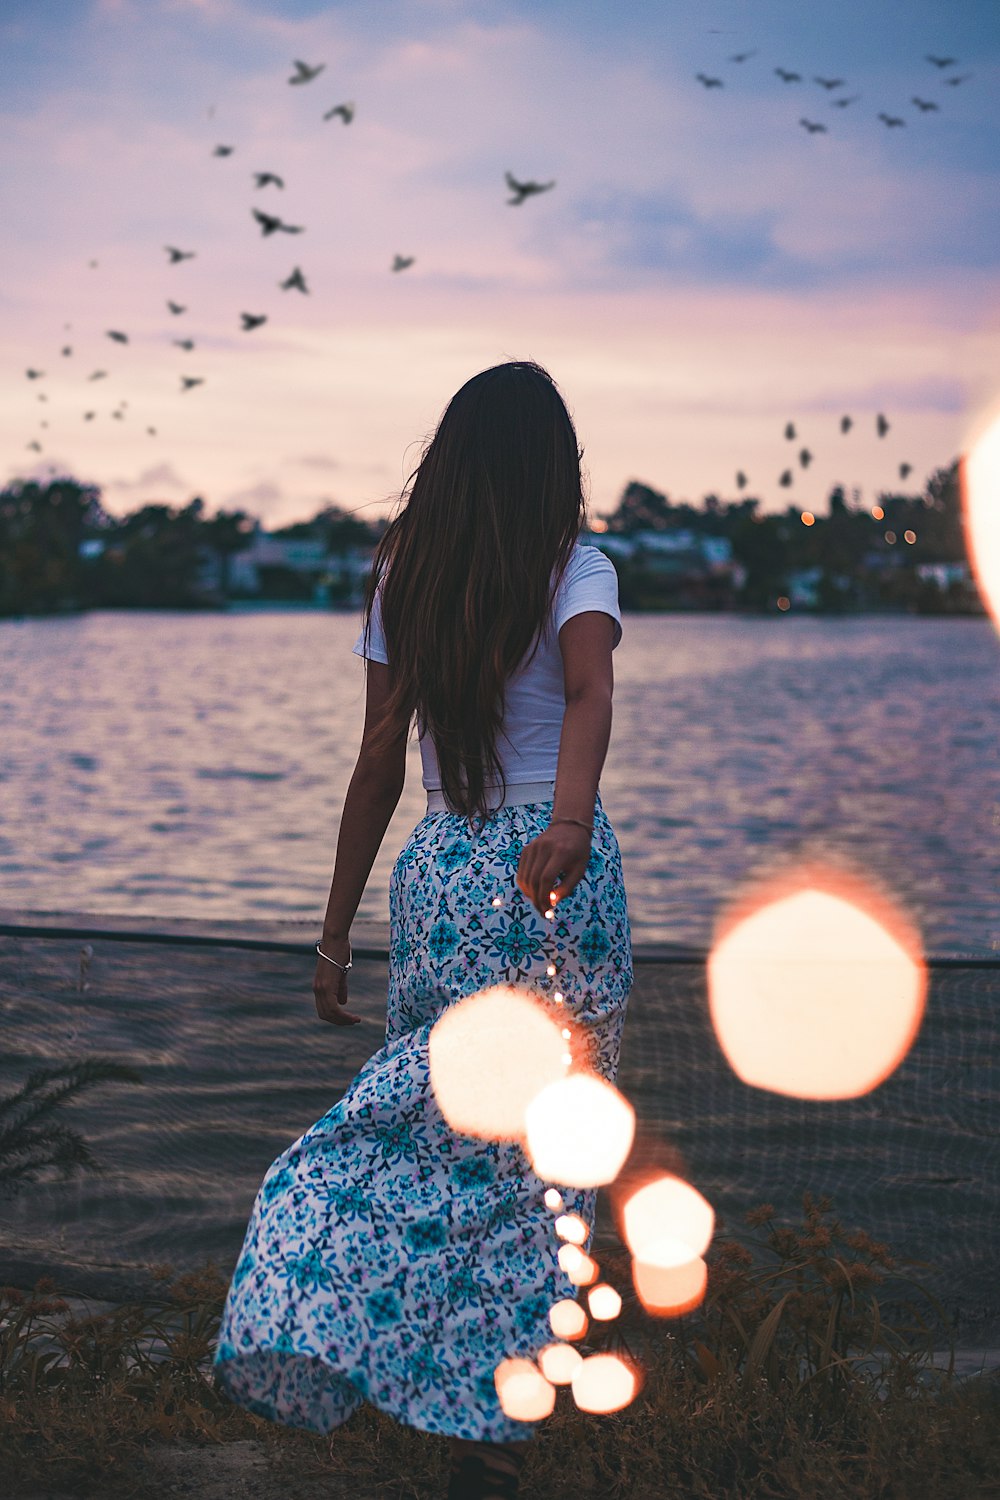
(492, 1472)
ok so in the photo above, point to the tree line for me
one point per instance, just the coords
(60, 550)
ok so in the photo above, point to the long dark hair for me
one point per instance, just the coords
(467, 567)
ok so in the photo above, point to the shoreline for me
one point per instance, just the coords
(296, 606)
(297, 935)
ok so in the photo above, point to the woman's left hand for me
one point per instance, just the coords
(330, 984)
(553, 864)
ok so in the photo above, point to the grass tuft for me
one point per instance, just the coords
(804, 1374)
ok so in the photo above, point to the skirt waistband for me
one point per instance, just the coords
(516, 795)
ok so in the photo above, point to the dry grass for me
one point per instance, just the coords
(804, 1374)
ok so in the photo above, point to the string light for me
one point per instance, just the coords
(600, 1382)
(567, 1319)
(572, 1228)
(559, 1363)
(604, 1302)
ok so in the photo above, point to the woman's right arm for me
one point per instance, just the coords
(586, 642)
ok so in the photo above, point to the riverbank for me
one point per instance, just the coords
(220, 1023)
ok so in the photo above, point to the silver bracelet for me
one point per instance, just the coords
(342, 967)
(578, 821)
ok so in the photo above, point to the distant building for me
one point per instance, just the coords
(803, 588)
(299, 568)
(944, 574)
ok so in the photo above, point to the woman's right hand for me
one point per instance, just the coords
(553, 864)
(330, 984)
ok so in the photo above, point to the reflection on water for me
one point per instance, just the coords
(195, 765)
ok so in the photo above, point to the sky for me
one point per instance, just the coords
(705, 270)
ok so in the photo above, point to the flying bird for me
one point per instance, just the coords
(786, 478)
(812, 126)
(89, 416)
(924, 104)
(891, 119)
(523, 190)
(882, 425)
(710, 83)
(345, 111)
(270, 222)
(790, 431)
(787, 77)
(742, 56)
(904, 470)
(97, 375)
(303, 73)
(942, 62)
(187, 381)
(34, 374)
(175, 307)
(187, 344)
(252, 321)
(92, 264)
(261, 179)
(400, 262)
(741, 479)
(296, 280)
(959, 78)
(37, 447)
(151, 431)
(117, 415)
(846, 423)
(119, 338)
(843, 103)
(830, 83)
(43, 398)
(805, 458)
(68, 349)
(223, 150)
(176, 255)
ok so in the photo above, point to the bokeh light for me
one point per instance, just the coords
(579, 1267)
(579, 1130)
(559, 1363)
(979, 481)
(524, 1392)
(817, 987)
(604, 1302)
(667, 1222)
(489, 1055)
(567, 1319)
(604, 1382)
(571, 1227)
(670, 1291)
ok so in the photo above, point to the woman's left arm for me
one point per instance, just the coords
(372, 797)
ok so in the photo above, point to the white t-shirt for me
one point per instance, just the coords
(535, 698)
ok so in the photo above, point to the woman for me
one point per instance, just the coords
(388, 1258)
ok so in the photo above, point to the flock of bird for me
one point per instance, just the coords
(269, 224)
(520, 191)
(816, 127)
(787, 477)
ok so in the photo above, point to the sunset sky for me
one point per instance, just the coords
(704, 270)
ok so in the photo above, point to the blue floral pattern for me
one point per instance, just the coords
(388, 1259)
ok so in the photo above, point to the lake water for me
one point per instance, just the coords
(195, 765)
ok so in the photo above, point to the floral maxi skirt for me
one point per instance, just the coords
(387, 1257)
